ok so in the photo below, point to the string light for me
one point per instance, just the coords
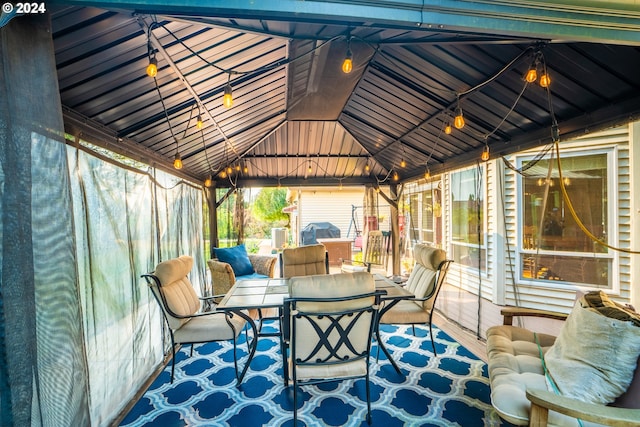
(347, 64)
(245, 168)
(447, 128)
(367, 167)
(229, 170)
(485, 153)
(177, 159)
(209, 181)
(396, 176)
(458, 120)
(532, 74)
(403, 164)
(227, 100)
(199, 122)
(309, 169)
(427, 173)
(152, 68)
(545, 80)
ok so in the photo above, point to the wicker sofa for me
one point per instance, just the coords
(224, 276)
(520, 386)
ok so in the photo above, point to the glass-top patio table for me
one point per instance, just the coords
(262, 294)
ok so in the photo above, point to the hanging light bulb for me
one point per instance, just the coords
(448, 129)
(245, 168)
(347, 64)
(199, 122)
(367, 167)
(152, 68)
(227, 100)
(238, 167)
(458, 120)
(177, 161)
(209, 181)
(309, 169)
(396, 176)
(485, 153)
(545, 80)
(223, 173)
(427, 173)
(403, 164)
(229, 170)
(532, 74)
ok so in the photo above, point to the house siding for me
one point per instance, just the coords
(500, 284)
(335, 206)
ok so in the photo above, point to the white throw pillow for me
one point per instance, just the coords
(594, 357)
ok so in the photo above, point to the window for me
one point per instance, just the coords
(413, 218)
(553, 246)
(424, 216)
(468, 246)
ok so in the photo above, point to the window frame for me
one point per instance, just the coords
(611, 153)
(419, 192)
(483, 247)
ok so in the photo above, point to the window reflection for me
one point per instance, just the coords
(467, 218)
(548, 226)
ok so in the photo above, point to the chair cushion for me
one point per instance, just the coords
(174, 269)
(178, 291)
(514, 366)
(211, 327)
(596, 352)
(406, 312)
(428, 256)
(422, 278)
(355, 368)
(306, 340)
(237, 258)
(332, 285)
(304, 261)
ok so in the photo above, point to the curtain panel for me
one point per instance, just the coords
(126, 221)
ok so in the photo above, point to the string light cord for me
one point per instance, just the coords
(574, 215)
(164, 108)
(304, 163)
(267, 67)
(184, 134)
(206, 155)
(513, 106)
(499, 73)
(386, 178)
(522, 170)
(435, 144)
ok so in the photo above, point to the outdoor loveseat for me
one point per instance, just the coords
(233, 264)
(591, 367)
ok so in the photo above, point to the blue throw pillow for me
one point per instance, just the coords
(236, 257)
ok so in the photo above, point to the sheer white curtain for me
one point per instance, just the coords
(79, 332)
(126, 221)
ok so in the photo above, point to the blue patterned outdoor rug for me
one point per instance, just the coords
(451, 389)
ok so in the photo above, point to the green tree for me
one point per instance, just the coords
(268, 206)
